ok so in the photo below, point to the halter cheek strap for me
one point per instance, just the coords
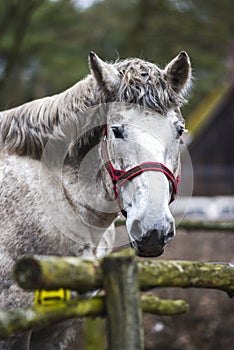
(120, 177)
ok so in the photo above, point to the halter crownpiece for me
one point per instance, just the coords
(120, 177)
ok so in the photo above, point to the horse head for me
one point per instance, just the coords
(141, 145)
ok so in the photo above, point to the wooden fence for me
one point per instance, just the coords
(120, 278)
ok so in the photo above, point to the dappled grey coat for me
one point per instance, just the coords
(42, 208)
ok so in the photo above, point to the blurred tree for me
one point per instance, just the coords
(203, 28)
(44, 44)
(15, 16)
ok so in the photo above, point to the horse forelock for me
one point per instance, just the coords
(146, 84)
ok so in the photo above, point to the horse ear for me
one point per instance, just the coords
(179, 72)
(106, 74)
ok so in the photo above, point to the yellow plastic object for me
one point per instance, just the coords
(47, 297)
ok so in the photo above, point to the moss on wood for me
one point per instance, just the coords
(43, 316)
(84, 275)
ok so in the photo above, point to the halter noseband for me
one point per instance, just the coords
(120, 177)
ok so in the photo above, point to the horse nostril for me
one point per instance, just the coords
(136, 230)
(169, 236)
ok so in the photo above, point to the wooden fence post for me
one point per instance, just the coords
(124, 317)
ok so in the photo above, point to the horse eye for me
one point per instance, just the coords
(117, 131)
(180, 128)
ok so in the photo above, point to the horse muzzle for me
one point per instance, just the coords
(153, 242)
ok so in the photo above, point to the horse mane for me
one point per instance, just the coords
(25, 130)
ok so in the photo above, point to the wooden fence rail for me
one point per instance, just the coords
(119, 278)
(86, 275)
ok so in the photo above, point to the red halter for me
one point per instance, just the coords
(119, 177)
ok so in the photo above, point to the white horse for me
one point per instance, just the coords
(69, 163)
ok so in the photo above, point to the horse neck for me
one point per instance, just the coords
(85, 157)
(82, 175)
(88, 188)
